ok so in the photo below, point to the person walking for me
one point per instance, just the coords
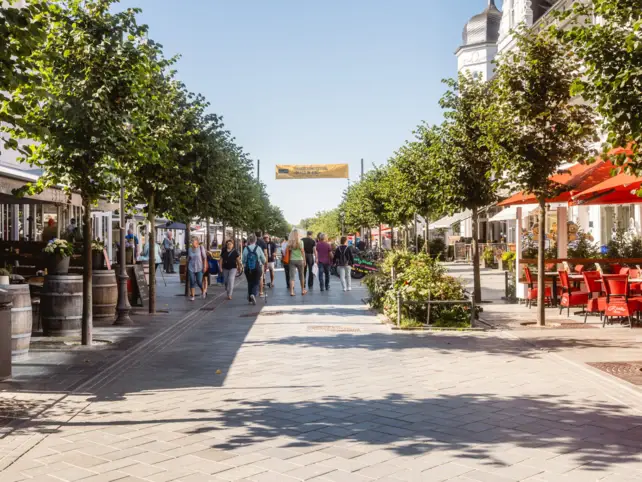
(253, 261)
(230, 264)
(297, 261)
(168, 260)
(344, 261)
(286, 266)
(263, 245)
(324, 259)
(196, 266)
(271, 258)
(310, 247)
(146, 254)
(132, 240)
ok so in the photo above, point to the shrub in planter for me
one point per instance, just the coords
(508, 258)
(4, 276)
(378, 285)
(97, 254)
(488, 256)
(58, 251)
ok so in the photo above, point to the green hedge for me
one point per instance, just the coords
(416, 276)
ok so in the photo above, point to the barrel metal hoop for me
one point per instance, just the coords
(24, 308)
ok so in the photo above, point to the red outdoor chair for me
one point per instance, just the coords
(618, 302)
(596, 302)
(579, 269)
(531, 294)
(622, 271)
(635, 288)
(615, 268)
(571, 296)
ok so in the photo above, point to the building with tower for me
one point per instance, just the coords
(486, 36)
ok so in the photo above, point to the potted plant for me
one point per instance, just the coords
(508, 261)
(4, 276)
(58, 251)
(488, 257)
(97, 254)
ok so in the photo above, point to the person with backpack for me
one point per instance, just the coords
(196, 266)
(295, 255)
(344, 260)
(253, 261)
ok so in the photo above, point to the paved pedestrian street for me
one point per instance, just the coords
(316, 388)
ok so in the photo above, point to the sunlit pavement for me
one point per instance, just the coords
(315, 388)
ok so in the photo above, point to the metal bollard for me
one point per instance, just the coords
(5, 334)
(506, 285)
(398, 309)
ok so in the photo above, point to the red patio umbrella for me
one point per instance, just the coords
(575, 179)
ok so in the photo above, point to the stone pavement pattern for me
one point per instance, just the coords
(316, 388)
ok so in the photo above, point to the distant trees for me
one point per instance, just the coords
(98, 105)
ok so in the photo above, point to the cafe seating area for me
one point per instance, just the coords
(613, 291)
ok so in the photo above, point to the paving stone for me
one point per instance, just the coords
(332, 405)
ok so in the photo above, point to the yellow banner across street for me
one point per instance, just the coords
(312, 171)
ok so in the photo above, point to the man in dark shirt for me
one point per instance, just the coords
(310, 248)
(262, 245)
(271, 257)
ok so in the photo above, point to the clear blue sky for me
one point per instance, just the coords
(307, 82)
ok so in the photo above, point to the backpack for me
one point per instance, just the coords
(252, 261)
(343, 257)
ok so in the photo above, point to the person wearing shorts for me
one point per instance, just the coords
(271, 258)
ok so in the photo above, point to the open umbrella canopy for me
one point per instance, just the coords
(620, 189)
(573, 180)
(171, 225)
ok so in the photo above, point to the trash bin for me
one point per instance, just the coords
(5, 334)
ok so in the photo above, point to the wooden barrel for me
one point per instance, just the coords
(104, 294)
(21, 319)
(61, 305)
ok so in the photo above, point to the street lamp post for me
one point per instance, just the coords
(123, 307)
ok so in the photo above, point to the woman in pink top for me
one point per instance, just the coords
(324, 260)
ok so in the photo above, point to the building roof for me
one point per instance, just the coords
(484, 27)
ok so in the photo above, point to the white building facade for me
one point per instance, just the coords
(485, 37)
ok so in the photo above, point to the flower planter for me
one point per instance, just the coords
(58, 264)
(97, 260)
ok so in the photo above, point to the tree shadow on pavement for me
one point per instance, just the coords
(444, 343)
(479, 427)
(473, 425)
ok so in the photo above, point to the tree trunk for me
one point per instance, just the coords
(208, 240)
(152, 255)
(426, 233)
(187, 243)
(87, 317)
(476, 270)
(541, 268)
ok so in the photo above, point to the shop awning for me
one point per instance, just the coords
(447, 221)
(575, 179)
(510, 213)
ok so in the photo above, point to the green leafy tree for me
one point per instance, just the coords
(93, 69)
(418, 184)
(611, 54)
(538, 125)
(464, 159)
(328, 222)
(23, 32)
